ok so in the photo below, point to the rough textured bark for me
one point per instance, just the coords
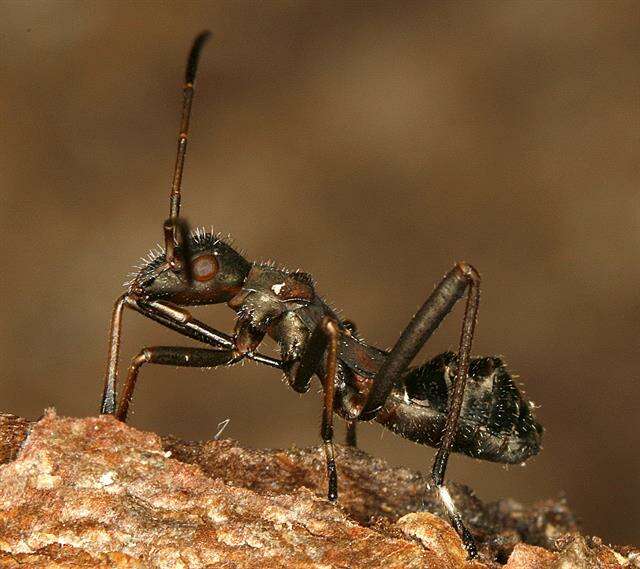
(96, 493)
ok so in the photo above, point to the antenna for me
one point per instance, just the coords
(187, 99)
(176, 232)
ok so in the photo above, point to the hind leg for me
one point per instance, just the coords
(463, 277)
(351, 436)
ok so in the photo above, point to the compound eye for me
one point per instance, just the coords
(204, 268)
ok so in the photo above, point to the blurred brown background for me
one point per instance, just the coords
(371, 144)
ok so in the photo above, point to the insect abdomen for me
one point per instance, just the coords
(496, 422)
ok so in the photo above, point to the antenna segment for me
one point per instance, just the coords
(187, 99)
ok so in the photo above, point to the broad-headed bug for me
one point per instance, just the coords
(453, 402)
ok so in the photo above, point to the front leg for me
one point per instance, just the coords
(173, 317)
(247, 338)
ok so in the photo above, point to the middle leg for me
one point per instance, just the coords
(351, 436)
(173, 317)
(323, 339)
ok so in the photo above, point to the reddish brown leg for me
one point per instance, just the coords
(323, 339)
(351, 437)
(451, 288)
(174, 318)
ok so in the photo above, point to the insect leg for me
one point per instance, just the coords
(324, 338)
(450, 289)
(455, 399)
(453, 415)
(169, 355)
(181, 321)
(326, 430)
(301, 372)
(351, 437)
(174, 318)
(108, 403)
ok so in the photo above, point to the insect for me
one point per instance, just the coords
(453, 402)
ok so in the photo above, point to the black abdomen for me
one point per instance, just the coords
(496, 422)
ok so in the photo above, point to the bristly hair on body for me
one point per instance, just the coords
(200, 240)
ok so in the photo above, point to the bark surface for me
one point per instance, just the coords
(94, 492)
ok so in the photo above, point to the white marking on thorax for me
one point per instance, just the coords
(277, 288)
